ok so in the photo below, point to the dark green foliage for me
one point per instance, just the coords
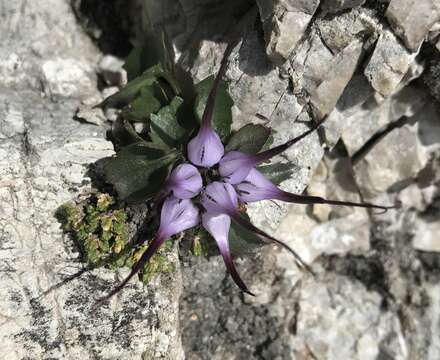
(139, 170)
(250, 139)
(279, 172)
(165, 128)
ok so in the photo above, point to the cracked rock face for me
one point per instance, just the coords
(47, 66)
(375, 294)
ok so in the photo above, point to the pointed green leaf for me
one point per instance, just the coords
(123, 133)
(143, 105)
(165, 126)
(249, 139)
(242, 241)
(154, 49)
(139, 171)
(222, 115)
(279, 172)
(134, 87)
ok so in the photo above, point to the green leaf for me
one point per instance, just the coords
(165, 127)
(249, 139)
(242, 241)
(134, 87)
(154, 49)
(123, 133)
(279, 172)
(222, 114)
(143, 105)
(139, 171)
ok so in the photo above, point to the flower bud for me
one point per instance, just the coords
(185, 181)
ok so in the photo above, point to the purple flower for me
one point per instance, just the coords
(177, 215)
(220, 198)
(257, 187)
(206, 149)
(185, 181)
(218, 226)
(235, 165)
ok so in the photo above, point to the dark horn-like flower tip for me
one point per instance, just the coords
(148, 253)
(268, 154)
(249, 226)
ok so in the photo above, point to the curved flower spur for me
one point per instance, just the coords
(214, 198)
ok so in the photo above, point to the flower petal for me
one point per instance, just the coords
(206, 148)
(177, 215)
(249, 226)
(220, 198)
(185, 181)
(256, 187)
(235, 166)
(218, 226)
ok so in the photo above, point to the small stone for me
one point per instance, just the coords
(339, 73)
(67, 78)
(110, 67)
(412, 19)
(388, 65)
(396, 158)
(91, 115)
(426, 235)
(284, 25)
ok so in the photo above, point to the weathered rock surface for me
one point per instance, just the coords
(334, 6)
(388, 64)
(375, 295)
(284, 24)
(44, 159)
(411, 20)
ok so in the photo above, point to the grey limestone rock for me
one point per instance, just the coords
(412, 19)
(47, 68)
(284, 24)
(375, 295)
(388, 64)
(334, 6)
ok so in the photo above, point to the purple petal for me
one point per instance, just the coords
(206, 149)
(209, 108)
(256, 187)
(177, 215)
(220, 198)
(218, 226)
(185, 181)
(234, 167)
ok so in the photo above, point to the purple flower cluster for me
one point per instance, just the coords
(190, 202)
